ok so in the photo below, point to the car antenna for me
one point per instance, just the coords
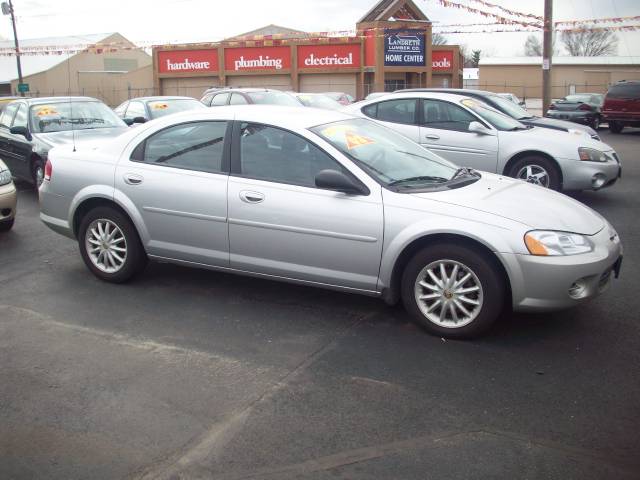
(73, 132)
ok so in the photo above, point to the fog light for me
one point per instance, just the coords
(578, 289)
(598, 180)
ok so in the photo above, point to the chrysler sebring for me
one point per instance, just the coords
(320, 198)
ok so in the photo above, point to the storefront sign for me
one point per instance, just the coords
(257, 58)
(176, 61)
(404, 48)
(442, 60)
(328, 56)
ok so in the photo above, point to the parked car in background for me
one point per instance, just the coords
(341, 97)
(515, 111)
(8, 199)
(29, 128)
(582, 108)
(317, 100)
(321, 198)
(249, 96)
(514, 99)
(468, 132)
(143, 109)
(621, 106)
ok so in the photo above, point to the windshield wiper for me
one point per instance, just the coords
(463, 172)
(425, 178)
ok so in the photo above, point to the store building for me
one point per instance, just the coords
(391, 49)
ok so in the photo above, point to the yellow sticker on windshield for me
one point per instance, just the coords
(159, 106)
(467, 102)
(334, 129)
(46, 111)
(354, 140)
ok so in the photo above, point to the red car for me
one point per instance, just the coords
(621, 106)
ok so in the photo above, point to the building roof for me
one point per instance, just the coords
(561, 61)
(32, 64)
(394, 9)
(282, 32)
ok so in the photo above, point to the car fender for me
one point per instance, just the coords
(87, 193)
(134, 214)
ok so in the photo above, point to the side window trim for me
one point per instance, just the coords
(139, 150)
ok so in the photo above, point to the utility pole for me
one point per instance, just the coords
(7, 9)
(547, 54)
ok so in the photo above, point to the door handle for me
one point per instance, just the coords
(251, 197)
(432, 137)
(133, 179)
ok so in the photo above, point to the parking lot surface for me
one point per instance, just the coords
(196, 374)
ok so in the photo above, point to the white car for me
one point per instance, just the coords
(470, 133)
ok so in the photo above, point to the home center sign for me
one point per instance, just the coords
(404, 48)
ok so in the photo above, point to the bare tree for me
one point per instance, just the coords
(590, 43)
(438, 39)
(532, 47)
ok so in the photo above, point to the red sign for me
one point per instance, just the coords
(370, 48)
(441, 60)
(328, 56)
(257, 58)
(176, 61)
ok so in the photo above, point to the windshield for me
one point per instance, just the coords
(491, 115)
(319, 101)
(274, 98)
(57, 117)
(577, 98)
(387, 156)
(508, 107)
(160, 108)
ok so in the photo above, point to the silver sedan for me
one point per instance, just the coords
(324, 199)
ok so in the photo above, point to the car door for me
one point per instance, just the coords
(399, 114)
(280, 224)
(19, 146)
(445, 131)
(177, 179)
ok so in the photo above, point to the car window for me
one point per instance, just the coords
(160, 108)
(136, 109)
(220, 99)
(237, 99)
(397, 111)
(276, 155)
(371, 110)
(120, 109)
(80, 115)
(192, 146)
(207, 99)
(446, 116)
(630, 91)
(21, 118)
(7, 115)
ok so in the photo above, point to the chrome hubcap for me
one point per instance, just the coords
(106, 245)
(534, 174)
(448, 293)
(39, 176)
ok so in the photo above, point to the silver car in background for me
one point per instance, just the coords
(321, 198)
(470, 133)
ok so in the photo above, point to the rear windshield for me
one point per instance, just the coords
(160, 108)
(628, 90)
(274, 98)
(578, 98)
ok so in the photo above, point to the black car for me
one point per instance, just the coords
(29, 128)
(584, 108)
(216, 97)
(512, 110)
(143, 109)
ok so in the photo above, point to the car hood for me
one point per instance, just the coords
(86, 135)
(536, 207)
(558, 124)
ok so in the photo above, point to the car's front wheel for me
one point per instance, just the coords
(595, 123)
(537, 170)
(453, 290)
(37, 172)
(615, 127)
(110, 246)
(6, 225)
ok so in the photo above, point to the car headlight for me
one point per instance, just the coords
(5, 177)
(549, 243)
(592, 155)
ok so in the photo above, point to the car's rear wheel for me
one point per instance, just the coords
(452, 290)
(37, 172)
(6, 225)
(615, 127)
(537, 170)
(110, 245)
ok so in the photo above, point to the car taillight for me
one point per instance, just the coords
(48, 170)
(552, 106)
(584, 106)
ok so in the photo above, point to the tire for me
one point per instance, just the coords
(484, 275)
(537, 170)
(37, 172)
(6, 225)
(615, 127)
(595, 124)
(126, 256)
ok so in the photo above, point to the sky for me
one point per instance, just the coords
(182, 21)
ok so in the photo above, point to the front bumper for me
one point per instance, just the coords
(8, 201)
(543, 283)
(581, 175)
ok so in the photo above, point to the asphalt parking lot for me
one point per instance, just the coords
(195, 374)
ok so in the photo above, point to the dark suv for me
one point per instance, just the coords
(215, 97)
(621, 106)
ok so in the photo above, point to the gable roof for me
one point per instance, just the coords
(394, 9)
(282, 32)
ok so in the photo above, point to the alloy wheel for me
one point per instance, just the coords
(534, 174)
(106, 245)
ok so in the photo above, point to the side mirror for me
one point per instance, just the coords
(128, 121)
(139, 120)
(477, 127)
(24, 131)
(339, 182)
